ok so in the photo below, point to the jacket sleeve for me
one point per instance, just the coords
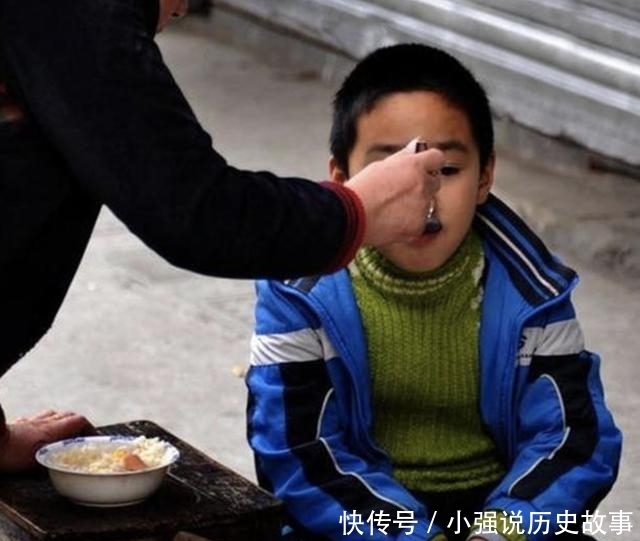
(567, 447)
(90, 76)
(300, 436)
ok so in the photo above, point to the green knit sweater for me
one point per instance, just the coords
(422, 334)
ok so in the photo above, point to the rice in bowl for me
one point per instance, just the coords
(115, 455)
(107, 471)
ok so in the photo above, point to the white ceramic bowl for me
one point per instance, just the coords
(104, 489)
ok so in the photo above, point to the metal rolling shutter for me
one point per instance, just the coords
(565, 68)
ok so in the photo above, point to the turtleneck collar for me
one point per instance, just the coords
(392, 281)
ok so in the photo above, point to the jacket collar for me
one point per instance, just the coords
(536, 272)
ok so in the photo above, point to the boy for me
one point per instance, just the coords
(439, 389)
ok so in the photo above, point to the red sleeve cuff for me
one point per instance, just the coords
(355, 226)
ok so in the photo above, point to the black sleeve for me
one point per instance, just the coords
(90, 75)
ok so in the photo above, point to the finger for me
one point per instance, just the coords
(45, 417)
(73, 421)
(45, 414)
(56, 416)
(431, 159)
(62, 415)
(68, 426)
(41, 416)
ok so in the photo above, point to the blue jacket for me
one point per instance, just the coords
(310, 414)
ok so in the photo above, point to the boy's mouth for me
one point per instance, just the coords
(432, 226)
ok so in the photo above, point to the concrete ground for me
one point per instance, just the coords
(137, 338)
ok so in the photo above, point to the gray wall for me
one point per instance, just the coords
(569, 69)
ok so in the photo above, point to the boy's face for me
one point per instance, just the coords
(393, 122)
(169, 9)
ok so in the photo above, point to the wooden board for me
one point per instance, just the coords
(198, 495)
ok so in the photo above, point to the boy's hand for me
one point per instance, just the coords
(395, 193)
(22, 438)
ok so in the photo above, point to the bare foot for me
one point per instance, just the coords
(26, 435)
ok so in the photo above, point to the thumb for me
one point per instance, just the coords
(429, 160)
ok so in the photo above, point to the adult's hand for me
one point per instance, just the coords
(22, 438)
(395, 193)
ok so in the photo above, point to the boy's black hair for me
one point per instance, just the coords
(405, 68)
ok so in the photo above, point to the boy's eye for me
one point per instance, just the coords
(449, 170)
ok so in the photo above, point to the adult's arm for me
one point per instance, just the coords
(92, 78)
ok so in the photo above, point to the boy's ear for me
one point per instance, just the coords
(336, 174)
(486, 179)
